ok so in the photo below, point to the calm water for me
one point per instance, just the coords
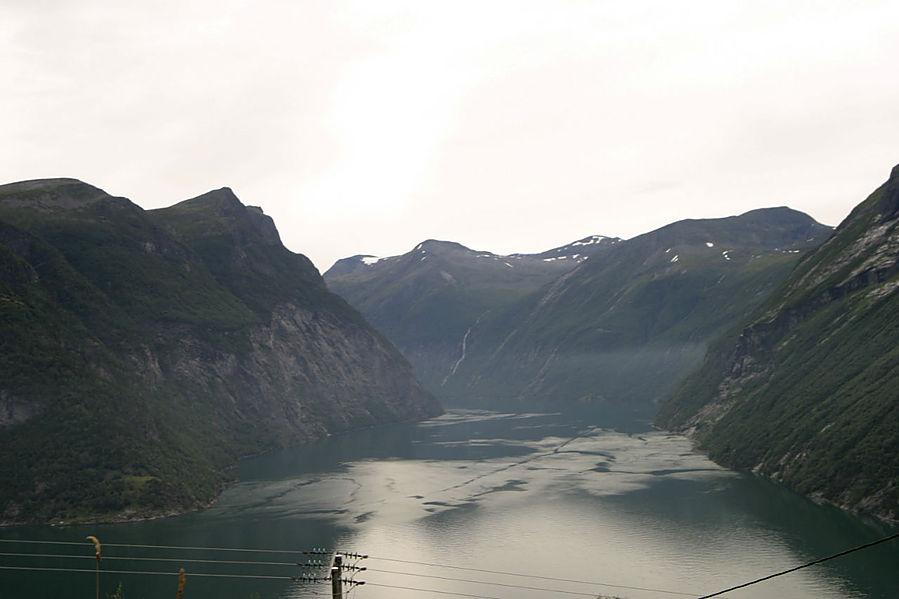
(635, 513)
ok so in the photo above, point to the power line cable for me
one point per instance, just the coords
(806, 565)
(391, 586)
(518, 586)
(481, 570)
(175, 547)
(150, 572)
(265, 563)
(248, 576)
(263, 577)
(525, 575)
(155, 559)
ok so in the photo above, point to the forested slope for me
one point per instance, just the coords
(807, 391)
(142, 352)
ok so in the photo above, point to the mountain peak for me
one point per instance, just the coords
(890, 202)
(776, 214)
(439, 247)
(819, 351)
(222, 200)
(353, 264)
(223, 205)
(51, 194)
(579, 250)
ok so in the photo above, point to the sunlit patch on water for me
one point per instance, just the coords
(594, 461)
(526, 489)
(638, 516)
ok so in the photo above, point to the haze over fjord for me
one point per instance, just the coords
(507, 126)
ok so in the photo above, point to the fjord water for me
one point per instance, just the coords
(552, 498)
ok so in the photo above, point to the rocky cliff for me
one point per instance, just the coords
(142, 352)
(807, 391)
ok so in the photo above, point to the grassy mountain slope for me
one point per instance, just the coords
(142, 352)
(426, 301)
(806, 393)
(628, 324)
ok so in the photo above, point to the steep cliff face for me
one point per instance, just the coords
(807, 392)
(303, 375)
(142, 352)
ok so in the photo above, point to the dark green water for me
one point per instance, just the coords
(638, 514)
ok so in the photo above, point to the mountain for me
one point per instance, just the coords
(624, 326)
(425, 301)
(627, 325)
(807, 390)
(143, 352)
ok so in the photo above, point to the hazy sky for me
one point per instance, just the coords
(508, 126)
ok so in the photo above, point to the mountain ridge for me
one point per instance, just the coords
(426, 299)
(145, 351)
(621, 298)
(804, 391)
(645, 301)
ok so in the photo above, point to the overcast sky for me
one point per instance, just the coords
(508, 126)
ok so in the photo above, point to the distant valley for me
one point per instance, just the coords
(144, 352)
(787, 327)
(619, 321)
(428, 300)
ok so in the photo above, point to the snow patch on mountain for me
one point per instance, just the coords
(590, 240)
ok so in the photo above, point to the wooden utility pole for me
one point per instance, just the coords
(336, 573)
(96, 543)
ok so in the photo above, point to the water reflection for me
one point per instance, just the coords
(559, 495)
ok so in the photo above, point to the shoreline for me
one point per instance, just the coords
(119, 518)
(816, 497)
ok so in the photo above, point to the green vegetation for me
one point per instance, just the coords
(425, 301)
(626, 325)
(629, 324)
(806, 390)
(130, 376)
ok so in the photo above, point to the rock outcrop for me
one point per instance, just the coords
(807, 391)
(142, 352)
